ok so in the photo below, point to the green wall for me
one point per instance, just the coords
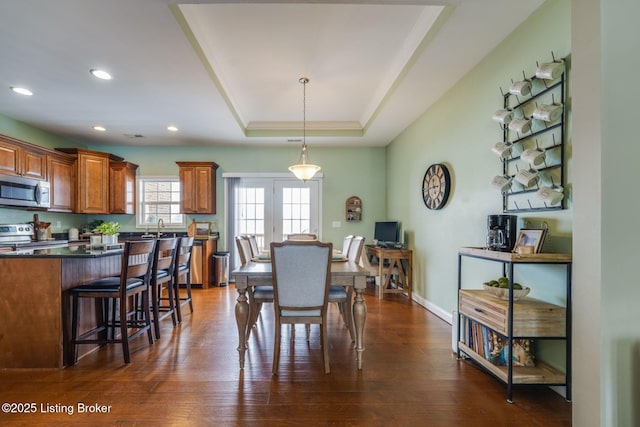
(458, 131)
(347, 172)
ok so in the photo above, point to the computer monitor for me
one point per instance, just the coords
(387, 232)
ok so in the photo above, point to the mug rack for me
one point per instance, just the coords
(532, 119)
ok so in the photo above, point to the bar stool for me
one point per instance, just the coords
(181, 270)
(162, 277)
(133, 281)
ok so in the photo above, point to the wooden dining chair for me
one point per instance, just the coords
(162, 280)
(134, 279)
(301, 271)
(182, 272)
(258, 294)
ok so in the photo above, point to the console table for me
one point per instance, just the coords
(390, 263)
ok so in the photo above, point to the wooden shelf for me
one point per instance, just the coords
(531, 317)
(539, 374)
(543, 258)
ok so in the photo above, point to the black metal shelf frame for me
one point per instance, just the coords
(507, 271)
(511, 198)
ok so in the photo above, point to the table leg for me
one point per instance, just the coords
(242, 319)
(359, 317)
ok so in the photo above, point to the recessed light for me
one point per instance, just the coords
(21, 90)
(172, 128)
(99, 128)
(101, 74)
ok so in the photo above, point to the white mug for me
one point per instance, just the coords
(527, 177)
(548, 112)
(503, 116)
(501, 149)
(553, 196)
(533, 156)
(521, 88)
(550, 70)
(501, 183)
(520, 125)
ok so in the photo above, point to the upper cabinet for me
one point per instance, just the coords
(18, 158)
(92, 183)
(62, 179)
(198, 187)
(122, 187)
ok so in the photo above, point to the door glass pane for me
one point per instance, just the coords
(250, 208)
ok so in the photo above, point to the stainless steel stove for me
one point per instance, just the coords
(20, 236)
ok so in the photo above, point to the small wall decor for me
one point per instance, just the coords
(354, 209)
(531, 151)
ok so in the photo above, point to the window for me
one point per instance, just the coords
(159, 199)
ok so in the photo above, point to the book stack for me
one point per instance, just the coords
(493, 346)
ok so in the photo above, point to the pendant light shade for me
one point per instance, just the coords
(303, 170)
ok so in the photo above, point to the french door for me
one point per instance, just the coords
(272, 208)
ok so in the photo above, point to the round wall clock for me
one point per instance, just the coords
(436, 186)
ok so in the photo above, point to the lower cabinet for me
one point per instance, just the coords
(201, 272)
(499, 335)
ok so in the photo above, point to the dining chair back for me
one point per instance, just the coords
(244, 249)
(253, 244)
(355, 249)
(301, 271)
(302, 236)
(133, 281)
(345, 244)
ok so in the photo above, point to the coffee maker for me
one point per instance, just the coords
(501, 232)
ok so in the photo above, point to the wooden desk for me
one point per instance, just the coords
(394, 256)
(259, 273)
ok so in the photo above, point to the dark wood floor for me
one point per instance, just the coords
(191, 377)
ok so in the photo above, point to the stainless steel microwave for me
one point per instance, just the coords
(24, 192)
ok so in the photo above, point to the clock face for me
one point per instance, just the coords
(436, 186)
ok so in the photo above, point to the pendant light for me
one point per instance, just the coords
(303, 170)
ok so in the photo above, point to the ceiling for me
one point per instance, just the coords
(226, 72)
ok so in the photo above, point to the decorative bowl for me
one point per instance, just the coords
(503, 293)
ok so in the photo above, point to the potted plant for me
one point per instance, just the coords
(109, 231)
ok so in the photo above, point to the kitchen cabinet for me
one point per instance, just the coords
(201, 265)
(483, 316)
(22, 159)
(122, 188)
(198, 187)
(92, 183)
(62, 179)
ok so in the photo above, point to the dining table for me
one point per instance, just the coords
(257, 272)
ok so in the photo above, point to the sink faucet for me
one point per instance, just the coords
(160, 225)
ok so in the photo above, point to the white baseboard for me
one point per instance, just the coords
(443, 314)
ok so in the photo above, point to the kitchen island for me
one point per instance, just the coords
(35, 318)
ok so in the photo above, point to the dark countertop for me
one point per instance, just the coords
(66, 252)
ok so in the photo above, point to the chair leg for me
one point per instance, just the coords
(155, 298)
(325, 345)
(124, 336)
(73, 348)
(147, 316)
(171, 299)
(189, 292)
(176, 293)
(276, 347)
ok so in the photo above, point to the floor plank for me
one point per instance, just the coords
(191, 376)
